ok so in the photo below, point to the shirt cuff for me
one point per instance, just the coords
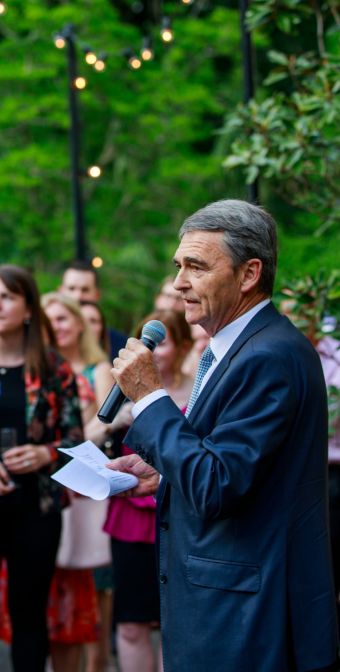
(146, 401)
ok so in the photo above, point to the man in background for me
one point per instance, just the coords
(80, 280)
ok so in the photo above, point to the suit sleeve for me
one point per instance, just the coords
(250, 412)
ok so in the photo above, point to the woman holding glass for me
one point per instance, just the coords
(39, 404)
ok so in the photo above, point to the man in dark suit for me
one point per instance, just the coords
(244, 560)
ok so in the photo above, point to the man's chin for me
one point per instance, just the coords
(191, 317)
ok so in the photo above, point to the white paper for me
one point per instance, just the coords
(88, 475)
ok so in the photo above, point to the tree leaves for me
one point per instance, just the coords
(298, 123)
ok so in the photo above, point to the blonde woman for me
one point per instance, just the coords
(77, 344)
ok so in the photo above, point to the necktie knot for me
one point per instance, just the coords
(204, 364)
(207, 358)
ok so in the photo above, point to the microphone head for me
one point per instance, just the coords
(154, 331)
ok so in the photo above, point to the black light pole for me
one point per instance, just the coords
(77, 200)
(253, 189)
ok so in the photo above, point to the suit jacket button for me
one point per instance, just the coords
(164, 525)
(162, 578)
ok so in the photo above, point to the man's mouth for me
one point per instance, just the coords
(187, 300)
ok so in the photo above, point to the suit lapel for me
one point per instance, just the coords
(259, 321)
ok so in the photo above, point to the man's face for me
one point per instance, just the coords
(81, 285)
(210, 286)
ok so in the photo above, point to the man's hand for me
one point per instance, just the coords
(133, 464)
(135, 370)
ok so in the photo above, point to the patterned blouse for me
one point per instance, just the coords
(53, 419)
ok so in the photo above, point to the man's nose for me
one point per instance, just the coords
(181, 281)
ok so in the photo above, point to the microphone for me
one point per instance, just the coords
(153, 333)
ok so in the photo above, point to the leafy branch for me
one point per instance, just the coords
(291, 137)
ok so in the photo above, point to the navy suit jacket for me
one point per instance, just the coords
(244, 560)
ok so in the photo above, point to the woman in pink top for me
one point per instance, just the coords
(131, 521)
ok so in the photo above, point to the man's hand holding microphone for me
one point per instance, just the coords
(136, 376)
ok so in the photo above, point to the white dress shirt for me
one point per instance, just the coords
(220, 344)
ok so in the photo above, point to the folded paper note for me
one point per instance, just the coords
(87, 474)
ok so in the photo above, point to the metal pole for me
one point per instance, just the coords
(77, 199)
(253, 189)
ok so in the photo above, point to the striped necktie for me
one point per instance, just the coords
(204, 364)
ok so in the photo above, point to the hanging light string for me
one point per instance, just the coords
(134, 58)
(97, 60)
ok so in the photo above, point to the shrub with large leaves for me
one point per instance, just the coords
(291, 137)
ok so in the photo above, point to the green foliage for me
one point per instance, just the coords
(291, 137)
(153, 131)
(333, 398)
(312, 301)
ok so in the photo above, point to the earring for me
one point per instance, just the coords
(27, 321)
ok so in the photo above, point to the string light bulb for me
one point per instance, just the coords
(80, 83)
(94, 171)
(3, 7)
(99, 65)
(167, 33)
(134, 62)
(59, 41)
(97, 262)
(90, 57)
(187, 2)
(146, 50)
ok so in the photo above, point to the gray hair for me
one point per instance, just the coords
(249, 232)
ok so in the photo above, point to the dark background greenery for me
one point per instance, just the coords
(159, 134)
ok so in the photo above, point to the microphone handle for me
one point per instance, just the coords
(115, 399)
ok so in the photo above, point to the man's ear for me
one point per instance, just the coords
(251, 274)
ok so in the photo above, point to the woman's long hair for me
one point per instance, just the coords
(20, 281)
(104, 341)
(90, 351)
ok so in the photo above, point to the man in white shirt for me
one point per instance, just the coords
(244, 563)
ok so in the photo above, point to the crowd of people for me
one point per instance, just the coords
(55, 354)
(74, 570)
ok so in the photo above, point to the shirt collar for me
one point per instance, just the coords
(224, 339)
